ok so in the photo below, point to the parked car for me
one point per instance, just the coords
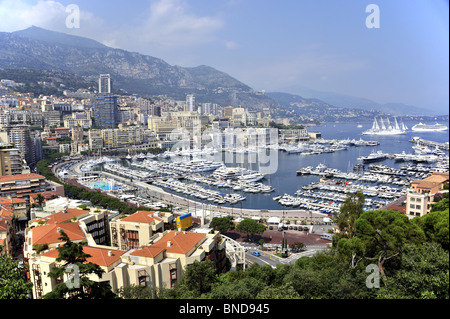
(327, 236)
(305, 228)
(300, 228)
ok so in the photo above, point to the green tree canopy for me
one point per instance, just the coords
(13, 283)
(250, 227)
(350, 211)
(71, 254)
(222, 224)
(424, 273)
(383, 233)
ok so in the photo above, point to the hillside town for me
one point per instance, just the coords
(51, 195)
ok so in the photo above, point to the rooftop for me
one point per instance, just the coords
(141, 217)
(20, 177)
(100, 256)
(48, 234)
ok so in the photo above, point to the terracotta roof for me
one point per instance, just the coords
(98, 255)
(148, 251)
(181, 243)
(61, 217)
(48, 234)
(8, 200)
(7, 212)
(20, 177)
(141, 217)
(46, 195)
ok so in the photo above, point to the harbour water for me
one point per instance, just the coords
(285, 180)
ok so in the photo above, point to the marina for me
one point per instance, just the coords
(309, 177)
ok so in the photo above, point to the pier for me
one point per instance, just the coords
(441, 146)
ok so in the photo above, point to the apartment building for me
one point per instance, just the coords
(17, 205)
(7, 231)
(78, 119)
(11, 162)
(159, 264)
(22, 185)
(420, 196)
(136, 229)
(95, 140)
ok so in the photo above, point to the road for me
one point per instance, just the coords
(267, 258)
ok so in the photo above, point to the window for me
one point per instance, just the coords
(412, 199)
(412, 206)
(418, 206)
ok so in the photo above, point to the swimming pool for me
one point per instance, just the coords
(106, 186)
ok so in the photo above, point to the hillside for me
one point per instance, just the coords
(36, 48)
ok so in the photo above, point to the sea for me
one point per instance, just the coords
(285, 180)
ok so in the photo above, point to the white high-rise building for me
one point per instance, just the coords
(190, 103)
(104, 83)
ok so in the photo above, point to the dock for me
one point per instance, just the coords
(441, 146)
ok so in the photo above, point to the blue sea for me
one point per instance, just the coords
(285, 179)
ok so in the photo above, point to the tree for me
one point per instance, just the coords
(71, 254)
(435, 226)
(424, 273)
(222, 224)
(13, 283)
(40, 199)
(350, 211)
(250, 227)
(198, 278)
(383, 233)
(140, 292)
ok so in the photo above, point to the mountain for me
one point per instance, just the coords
(37, 48)
(311, 108)
(341, 100)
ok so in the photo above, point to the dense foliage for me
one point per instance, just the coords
(411, 256)
(13, 284)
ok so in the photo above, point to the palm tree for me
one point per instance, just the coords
(40, 199)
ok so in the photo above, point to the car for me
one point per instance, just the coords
(256, 253)
(305, 228)
(270, 228)
(295, 227)
(300, 228)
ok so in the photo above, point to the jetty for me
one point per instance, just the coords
(443, 146)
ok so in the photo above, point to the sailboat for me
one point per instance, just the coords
(387, 129)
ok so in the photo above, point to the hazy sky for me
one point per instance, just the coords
(274, 45)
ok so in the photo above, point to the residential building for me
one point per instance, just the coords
(20, 136)
(18, 206)
(135, 230)
(81, 119)
(95, 138)
(51, 118)
(11, 162)
(106, 113)
(158, 264)
(105, 84)
(7, 232)
(22, 185)
(421, 194)
(190, 103)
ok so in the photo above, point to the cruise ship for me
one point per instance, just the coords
(429, 128)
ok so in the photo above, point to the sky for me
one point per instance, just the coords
(324, 45)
